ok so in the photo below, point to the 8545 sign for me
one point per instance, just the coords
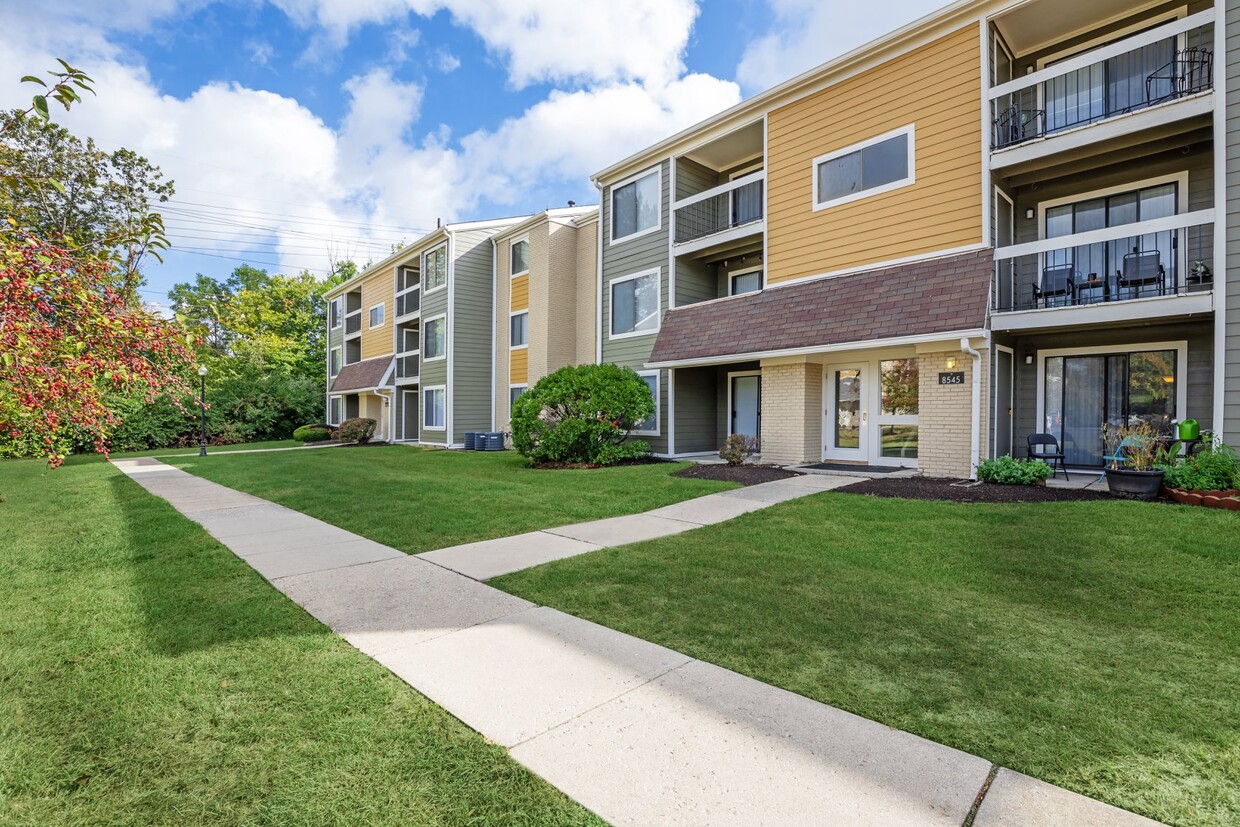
(955, 377)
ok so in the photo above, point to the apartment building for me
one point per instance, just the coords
(996, 221)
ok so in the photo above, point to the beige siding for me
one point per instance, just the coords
(936, 88)
(587, 293)
(378, 288)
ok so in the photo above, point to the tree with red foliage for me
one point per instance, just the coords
(67, 339)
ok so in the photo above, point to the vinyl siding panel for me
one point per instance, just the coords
(937, 89)
(626, 258)
(518, 372)
(520, 292)
(697, 410)
(378, 289)
(1231, 310)
(471, 351)
(432, 374)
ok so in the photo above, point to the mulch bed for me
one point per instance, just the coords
(744, 474)
(936, 488)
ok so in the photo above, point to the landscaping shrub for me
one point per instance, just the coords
(312, 433)
(582, 415)
(737, 448)
(1011, 471)
(1214, 467)
(359, 429)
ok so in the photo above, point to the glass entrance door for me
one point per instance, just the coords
(846, 419)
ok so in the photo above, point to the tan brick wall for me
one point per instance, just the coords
(587, 293)
(945, 415)
(560, 342)
(791, 413)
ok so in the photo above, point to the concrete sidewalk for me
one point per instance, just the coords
(640, 734)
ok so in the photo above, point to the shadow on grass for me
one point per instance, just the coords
(193, 592)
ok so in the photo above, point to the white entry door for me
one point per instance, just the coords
(845, 425)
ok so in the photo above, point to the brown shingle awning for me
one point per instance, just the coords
(941, 295)
(362, 375)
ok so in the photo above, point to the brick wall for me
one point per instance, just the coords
(791, 413)
(945, 413)
(587, 293)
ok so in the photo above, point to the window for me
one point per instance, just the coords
(651, 426)
(635, 304)
(433, 339)
(334, 410)
(520, 257)
(635, 206)
(876, 166)
(897, 416)
(376, 316)
(433, 417)
(745, 282)
(408, 339)
(406, 279)
(435, 266)
(334, 364)
(518, 332)
(514, 392)
(337, 316)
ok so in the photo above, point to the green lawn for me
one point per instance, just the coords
(419, 499)
(1093, 645)
(191, 451)
(148, 676)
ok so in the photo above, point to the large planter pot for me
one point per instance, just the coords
(1134, 485)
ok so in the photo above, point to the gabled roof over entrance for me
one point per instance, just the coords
(943, 295)
(363, 375)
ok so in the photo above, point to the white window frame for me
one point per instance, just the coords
(658, 403)
(338, 365)
(427, 408)
(332, 401)
(511, 315)
(908, 181)
(657, 272)
(426, 324)
(426, 271)
(524, 389)
(511, 246)
(370, 315)
(337, 306)
(732, 274)
(611, 196)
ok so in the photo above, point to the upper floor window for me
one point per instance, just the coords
(435, 268)
(376, 315)
(337, 315)
(635, 304)
(745, 282)
(406, 279)
(334, 365)
(635, 206)
(434, 339)
(875, 166)
(520, 257)
(518, 329)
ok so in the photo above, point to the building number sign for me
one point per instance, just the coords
(955, 377)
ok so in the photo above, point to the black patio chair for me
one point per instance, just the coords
(1191, 71)
(1056, 283)
(1143, 269)
(1046, 448)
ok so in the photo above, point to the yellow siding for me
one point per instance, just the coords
(518, 371)
(521, 293)
(938, 89)
(378, 289)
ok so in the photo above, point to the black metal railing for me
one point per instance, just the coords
(353, 323)
(1166, 263)
(407, 303)
(407, 366)
(736, 206)
(1179, 66)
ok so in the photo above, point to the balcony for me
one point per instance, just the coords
(720, 215)
(1150, 270)
(407, 367)
(408, 303)
(1169, 67)
(353, 323)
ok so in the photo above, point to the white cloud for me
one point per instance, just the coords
(261, 52)
(444, 61)
(806, 33)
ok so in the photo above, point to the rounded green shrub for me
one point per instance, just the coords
(582, 415)
(1215, 467)
(358, 429)
(312, 433)
(1011, 471)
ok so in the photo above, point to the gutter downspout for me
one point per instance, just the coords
(975, 435)
(494, 328)
(389, 396)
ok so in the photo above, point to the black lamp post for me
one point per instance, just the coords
(202, 409)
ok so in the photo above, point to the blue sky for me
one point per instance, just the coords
(302, 131)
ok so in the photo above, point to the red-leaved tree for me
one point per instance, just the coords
(67, 339)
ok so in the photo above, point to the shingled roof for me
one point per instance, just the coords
(926, 297)
(362, 375)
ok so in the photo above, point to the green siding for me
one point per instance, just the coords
(472, 346)
(1231, 310)
(431, 374)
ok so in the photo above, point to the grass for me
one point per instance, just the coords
(1093, 645)
(192, 451)
(148, 676)
(417, 500)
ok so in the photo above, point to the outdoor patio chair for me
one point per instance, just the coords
(1056, 283)
(1190, 72)
(1143, 269)
(1046, 448)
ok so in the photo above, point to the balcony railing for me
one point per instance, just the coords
(723, 208)
(353, 323)
(408, 303)
(1163, 257)
(407, 365)
(1163, 64)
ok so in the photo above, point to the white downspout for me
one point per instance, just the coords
(975, 436)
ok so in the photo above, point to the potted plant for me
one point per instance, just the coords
(1200, 272)
(1133, 455)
